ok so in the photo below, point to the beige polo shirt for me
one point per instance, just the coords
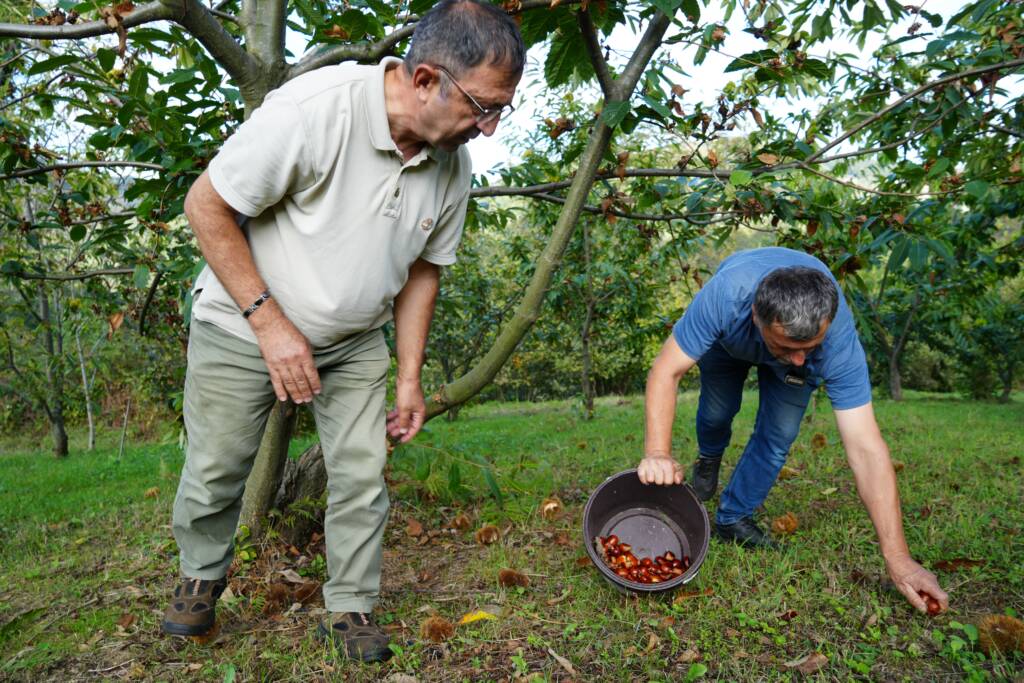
(333, 215)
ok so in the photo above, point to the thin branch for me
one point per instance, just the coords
(149, 300)
(1007, 131)
(224, 15)
(100, 219)
(653, 217)
(593, 47)
(17, 57)
(204, 27)
(34, 90)
(369, 52)
(882, 193)
(649, 44)
(24, 173)
(969, 74)
(144, 14)
(72, 276)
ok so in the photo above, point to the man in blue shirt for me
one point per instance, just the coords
(780, 311)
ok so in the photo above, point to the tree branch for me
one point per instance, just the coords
(144, 14)
(593, 47)
(882, 193)
(197, 19)
(653, 217)
(149, 300)
(970, 73)
(368, 52)
(649, 43)
(72, 276)
(264, 24)
(68, 165)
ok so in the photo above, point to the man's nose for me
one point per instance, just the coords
(488, 127)
(797, 358)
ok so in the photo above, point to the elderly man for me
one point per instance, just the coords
(330, 211)
(780, 311)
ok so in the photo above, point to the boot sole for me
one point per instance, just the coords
(173, 629)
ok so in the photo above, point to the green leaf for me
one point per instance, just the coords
(816, 68)
(614, 112)
(740, 177)
(51, 64)
(141, 276)
(977, 188)
(77, 233)
(751, 59)
(423, 466)
(668, 7)
(12, 266)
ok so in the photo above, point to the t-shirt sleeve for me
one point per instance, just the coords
(440, 248)
(846, 377)
(268, 157)
(703, 322)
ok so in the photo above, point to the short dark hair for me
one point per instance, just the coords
(799, 298)
(462, 34)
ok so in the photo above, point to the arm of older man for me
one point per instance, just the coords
(658, 466)
(284, 348)
(873, 472)
(414, 309)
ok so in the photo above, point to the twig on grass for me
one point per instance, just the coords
(111, 668)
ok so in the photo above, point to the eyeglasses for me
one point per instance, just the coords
(485, 115)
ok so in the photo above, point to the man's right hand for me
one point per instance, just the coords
(659, 469)
(287, 353)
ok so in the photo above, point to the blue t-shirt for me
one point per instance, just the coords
(722, 313)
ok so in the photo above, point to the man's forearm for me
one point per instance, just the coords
(660, 412)
(876, 484)
(414, 310)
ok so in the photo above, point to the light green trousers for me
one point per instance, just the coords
(228, 398)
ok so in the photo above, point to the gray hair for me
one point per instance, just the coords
(799, 298)
(462, 34)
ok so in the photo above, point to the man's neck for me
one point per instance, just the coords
(400, 120)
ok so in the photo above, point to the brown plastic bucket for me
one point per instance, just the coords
(653, 519)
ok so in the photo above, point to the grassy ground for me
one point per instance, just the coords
(87, 561)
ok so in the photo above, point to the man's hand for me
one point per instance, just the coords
(912, 579)
(405, 420)
(660, 469)
(287, 353)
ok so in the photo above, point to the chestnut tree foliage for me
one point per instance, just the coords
(898, 164)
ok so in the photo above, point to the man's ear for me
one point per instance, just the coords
(424, 77)
(753, 314)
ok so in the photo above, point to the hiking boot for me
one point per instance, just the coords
(745, 533)
(704, 477)
(191, 612)
(356, 635)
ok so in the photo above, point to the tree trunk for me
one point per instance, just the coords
(54, 379)
(586, 385)
(895, 384)
(304, 479)
(265, 478)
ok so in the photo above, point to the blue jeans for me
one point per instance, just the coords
(780, 410)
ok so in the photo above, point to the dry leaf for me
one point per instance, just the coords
(476, 615)
(436, 629)
(757, 117)
(336, 31)
(209, 637)
(550, 507)
(769, 159)
(413, 528)
(829, 491)
(563, 662)
(689, 656)
(718, 34)
(809, 664)
(486, 535)
(152, 492)
(583, 561)
(712, 159)
(115, 322)
(812, 227)
(652, 644)
(686, 595)
(678, 90)
(958, 563)
(788, 472)
(786, 524)
(788, 615)
(562, 538)
(126, 620)
(1002, 633)
(510, 577)
(898, 466)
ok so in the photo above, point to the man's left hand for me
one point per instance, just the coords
(410, 410)
(912, 579)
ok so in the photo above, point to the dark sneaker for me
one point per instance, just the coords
(191, 612)
(745, 533)
(356, 635)
(704, 477)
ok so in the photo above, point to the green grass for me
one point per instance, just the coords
(84, 548)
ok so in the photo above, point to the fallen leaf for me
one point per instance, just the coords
(829, 491)
(958, 563)
(424, 576)
(583, 561)
(486, 535)
(788, 615)
(126, 620)
(668, 622)
(413, 528)
(731, 633)
(152, 492)
(508, 578)
(550, 507)
(809, 664)
(769, 159)
(560, 598)
(292, 576)
(819, 440)
(788, 472)
(436, 629)
(897, 465)
(652, 643)
(689, 656)
(786, 524)
(686, 595)
(562, 538)
(476, 615)
(563, 662)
